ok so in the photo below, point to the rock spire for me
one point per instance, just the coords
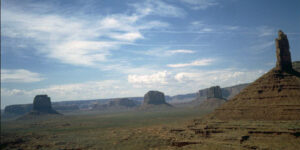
(283, 54)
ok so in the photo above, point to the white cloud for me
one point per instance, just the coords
(86, 90)
(202, 62)
(200, 27)
(266, 31)
(262, 46)
(20, 76)
(226, 77)
(159, 77)
(76, 40)
(158, 7)
(131, 36)
(173, 82)
(162, 52)
(200, 4)
(207, 30)
(232, 27)
(180, 51)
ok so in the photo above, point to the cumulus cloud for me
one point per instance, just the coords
(159, 77)
(20, 76)
(202, 62)
(193, 80)
(224, 77)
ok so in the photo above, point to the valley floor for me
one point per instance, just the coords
(168, 129)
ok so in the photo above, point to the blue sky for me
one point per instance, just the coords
(91, 49)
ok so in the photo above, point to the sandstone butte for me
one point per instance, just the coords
(214, 98)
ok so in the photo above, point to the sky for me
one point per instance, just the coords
(93, 49)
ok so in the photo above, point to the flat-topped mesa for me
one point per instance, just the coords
(154, 98)
(123, 102)
(42, 103)
(284, 61)
(214, 92)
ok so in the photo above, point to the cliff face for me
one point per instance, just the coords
(284, 61)
(42, 104)
(214, 92)
(17, 109)
(227, 92)
(154, 98)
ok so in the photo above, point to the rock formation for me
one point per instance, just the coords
(202, 93)
(42, 104)
(214, 99)
(122, 102)
(41, 107)
(116, 105)
(154, 98)
(227, 92)
(214, 92)
(17, 109)
(265, 114)
(283, 54)
(274, 96)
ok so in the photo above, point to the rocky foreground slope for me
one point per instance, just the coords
(265, 115)
(274, 96)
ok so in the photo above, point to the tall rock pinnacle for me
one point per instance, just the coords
(283, 54)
